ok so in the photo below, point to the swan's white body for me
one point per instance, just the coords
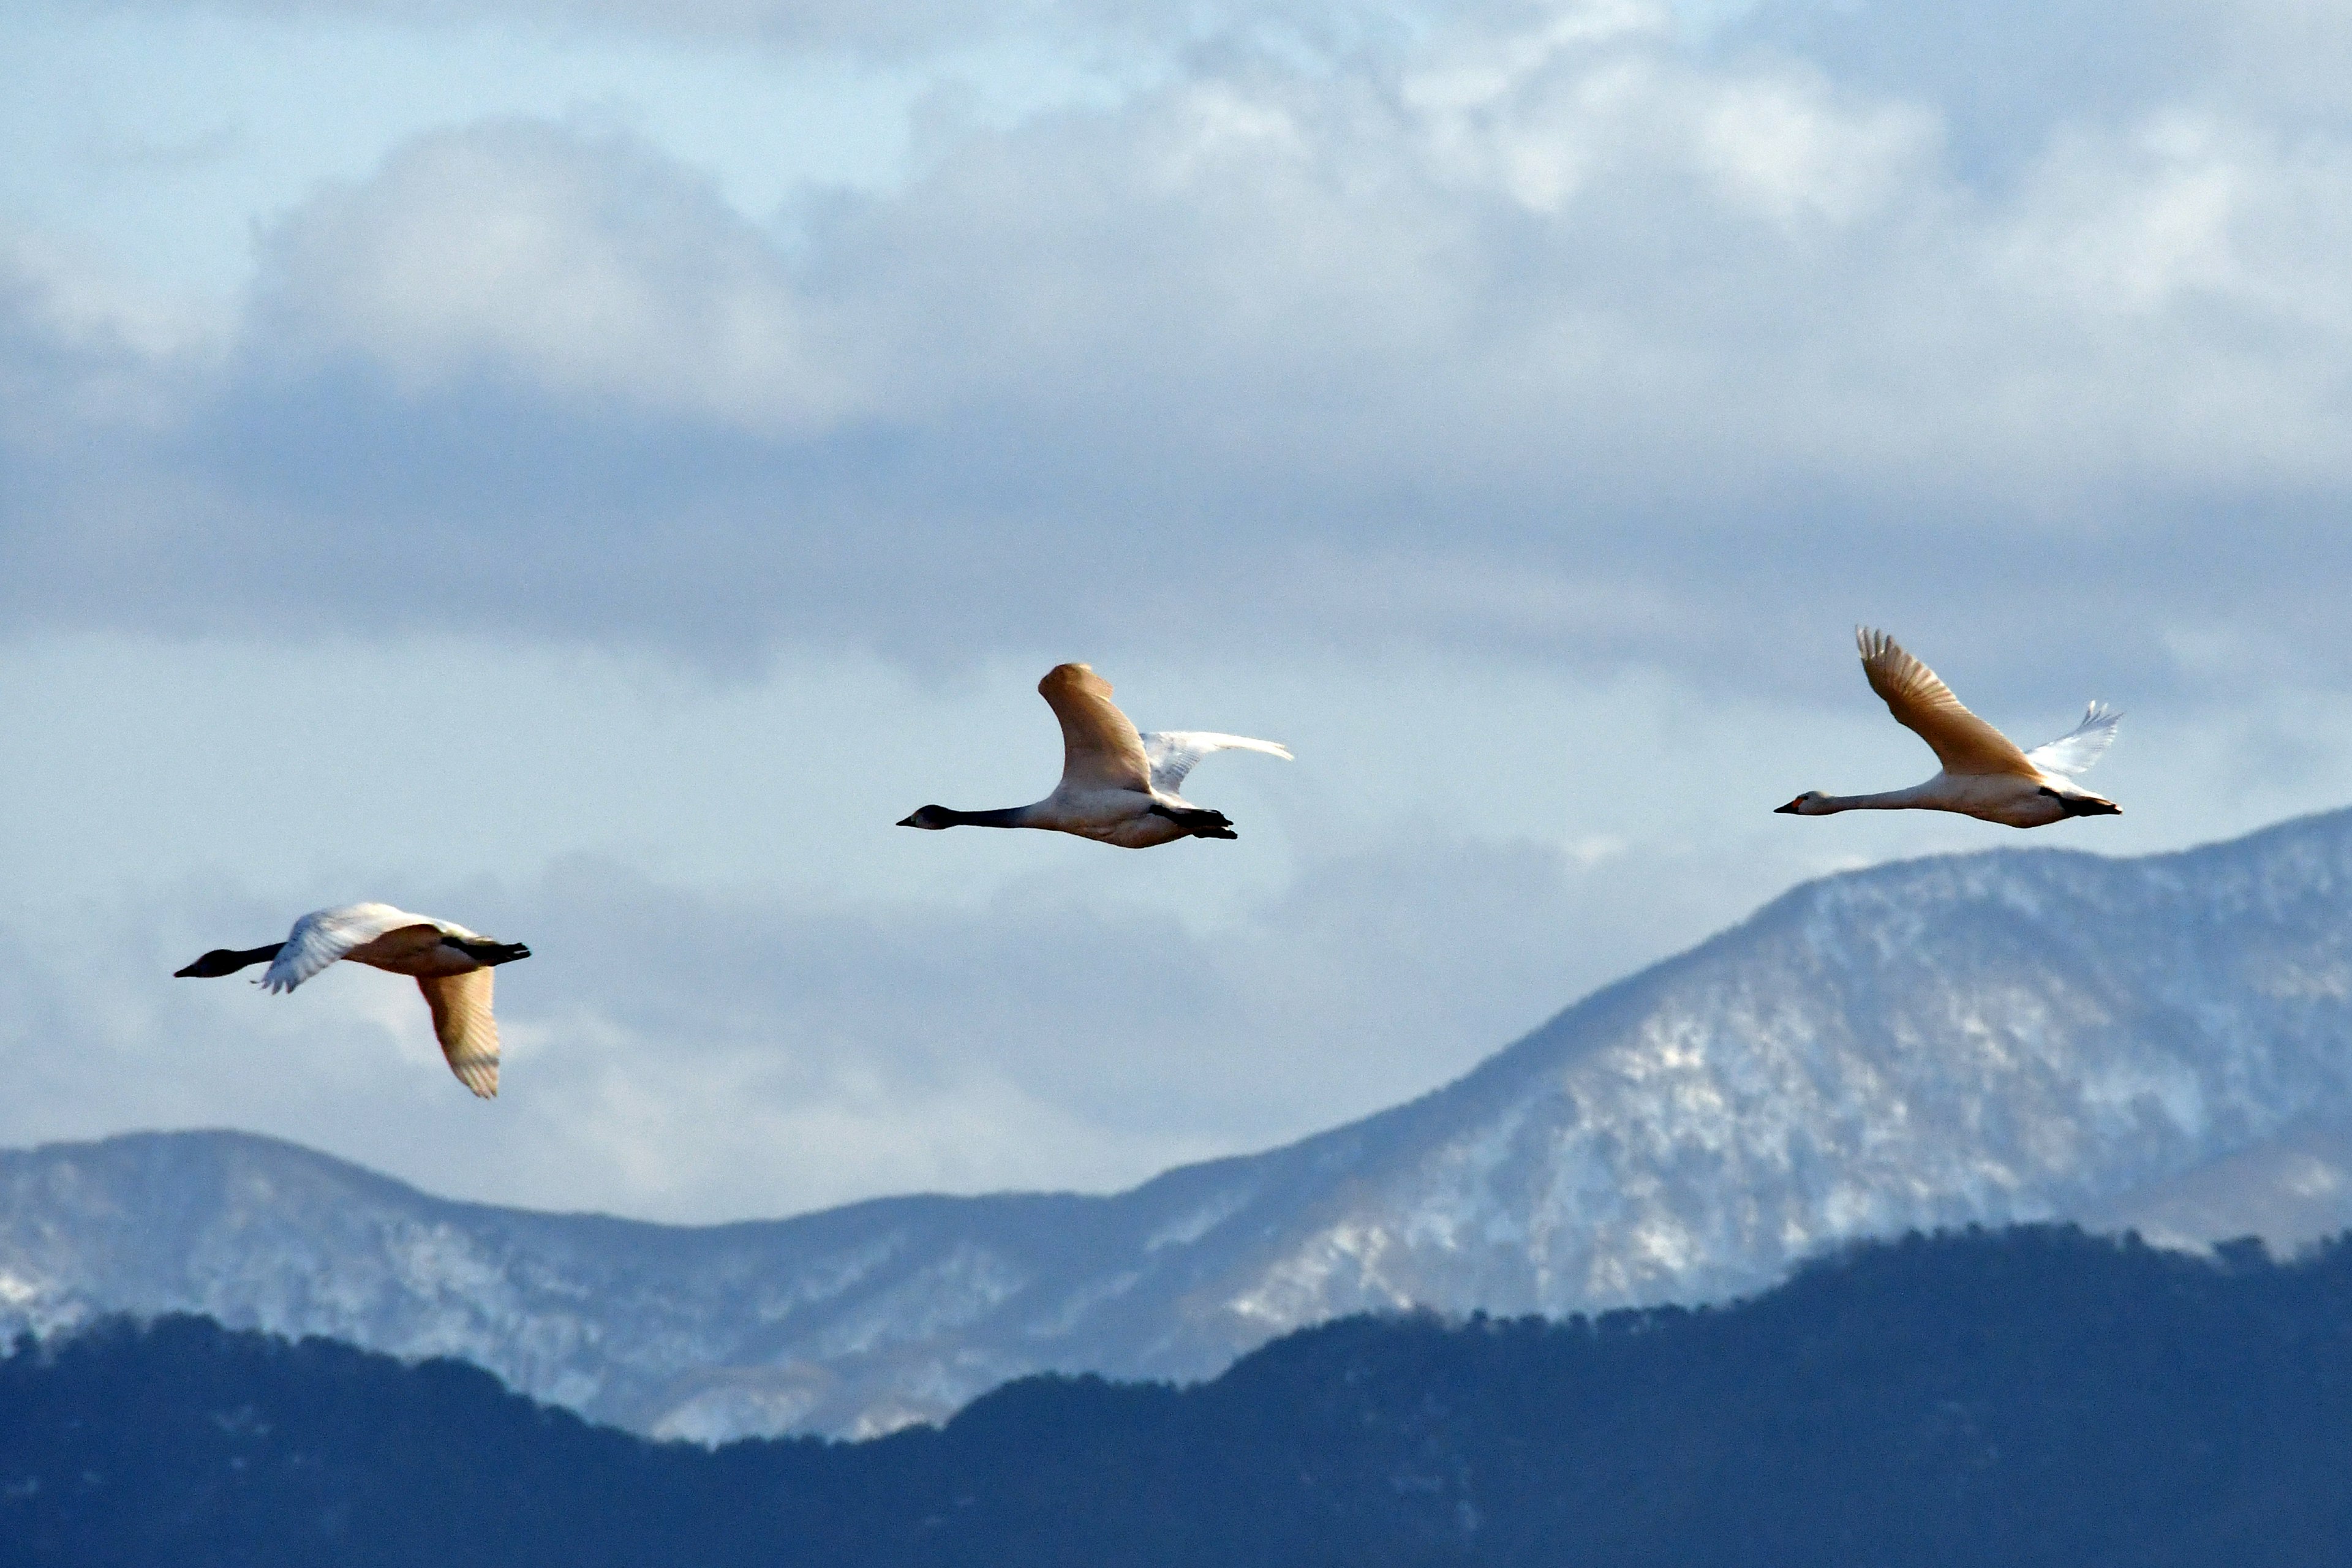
(456, 985)
(1118, 785)
(1985, 774)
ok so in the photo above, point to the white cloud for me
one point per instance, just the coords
(585, 267)
(1554, 335)
(1718, 273)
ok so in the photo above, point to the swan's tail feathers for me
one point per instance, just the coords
(2078, 748)
(486, 951)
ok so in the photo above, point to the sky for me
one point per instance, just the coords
(586, 469)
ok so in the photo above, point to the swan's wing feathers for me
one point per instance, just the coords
(1175, 752)
(1100, 750)
(322, 936)
(463, 1024)
(2078, 748)
(1923, 704)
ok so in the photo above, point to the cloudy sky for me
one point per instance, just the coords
(586, 467)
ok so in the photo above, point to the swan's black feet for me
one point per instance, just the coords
(1198, 822)
(485, 952)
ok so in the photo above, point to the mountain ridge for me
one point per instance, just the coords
(2020, 1396)
(2009, 1035)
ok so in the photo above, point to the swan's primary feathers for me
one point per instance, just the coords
(2074, 752)
(1924, 705)
(1118, 786)
(1985, 774)
(1100, 749)
(451, 964)
(1173, 753)
(463, 1024)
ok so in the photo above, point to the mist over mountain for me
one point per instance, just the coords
(2016, 1034)
(2035, 1397)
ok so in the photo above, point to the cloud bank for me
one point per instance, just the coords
(1558, 336)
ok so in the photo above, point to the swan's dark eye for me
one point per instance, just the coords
(2052, 793)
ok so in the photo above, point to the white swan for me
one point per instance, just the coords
(1984, 774)
(1117, 785)
(452, 966)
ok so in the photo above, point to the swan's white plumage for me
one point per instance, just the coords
(1984, 773)
(2078, 748)
(1118, 786)
(462, 1022)
(456, 985)
(1173, 753)
(323, 936)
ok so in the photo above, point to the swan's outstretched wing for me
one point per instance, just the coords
(462, 1023)
(1100, 750)
(2078, 748)
(323, 936)
(1174, 753)
(1923, 704)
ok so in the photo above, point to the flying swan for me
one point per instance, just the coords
(1117, 785)
(1984, 774)
(452, 966)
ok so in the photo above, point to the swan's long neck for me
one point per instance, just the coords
(1885, 800)
(1004, 816)
(222, 960)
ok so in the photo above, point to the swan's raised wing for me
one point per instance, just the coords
(1100, 750)
(1175, 752)
(462, 1023)
(322, 936)
(2078, 748)
(1924, 705)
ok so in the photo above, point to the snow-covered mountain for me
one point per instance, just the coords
(2023, 1034)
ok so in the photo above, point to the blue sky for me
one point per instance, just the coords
(587, 469)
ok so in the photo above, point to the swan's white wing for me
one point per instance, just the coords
(1923, 704)
(462, 1023)
(1100, 750)
(1175, 752)
(322, 936)
(2078, 748)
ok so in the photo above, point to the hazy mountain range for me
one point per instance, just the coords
(2163, 1042)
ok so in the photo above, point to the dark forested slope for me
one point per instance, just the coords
(2030, 1397)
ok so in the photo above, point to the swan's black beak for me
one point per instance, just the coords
(1789, 809)
(909, 820)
